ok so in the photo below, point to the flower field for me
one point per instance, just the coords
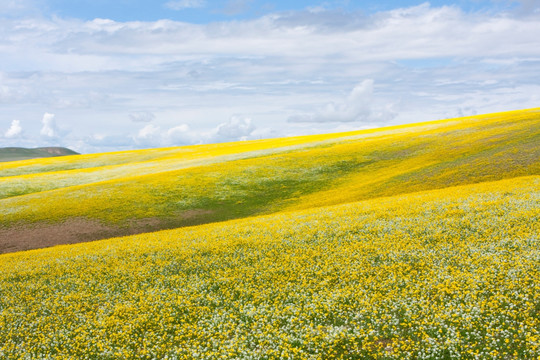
(450, 273)
(418, 241)
(174, 187)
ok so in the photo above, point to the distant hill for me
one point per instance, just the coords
(17, 153)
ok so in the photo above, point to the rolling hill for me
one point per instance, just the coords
(18, 153)
(442, 274)
(418, 241)
(88, 197)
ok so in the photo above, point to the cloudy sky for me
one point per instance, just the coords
(100, 75)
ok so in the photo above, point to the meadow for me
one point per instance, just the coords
(14, 153)
(417, 241)
(441, 274)
(147, 190)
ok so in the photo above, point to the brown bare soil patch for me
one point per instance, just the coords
(39, 235)
(72, 231)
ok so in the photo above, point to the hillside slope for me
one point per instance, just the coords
(442, 274)
(18, 153)
(88, 197)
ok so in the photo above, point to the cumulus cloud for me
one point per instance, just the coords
(237, 128)
(185, 4)
(14, 131)
(408, 33)
(154, 136)
(150, 135)
(142, 116)
(49, 129)
(180, 135)
(273, 66)
(358, 106)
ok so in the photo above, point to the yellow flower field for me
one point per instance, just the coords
(452, 273)
(242, 179)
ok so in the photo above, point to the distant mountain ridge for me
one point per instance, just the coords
(18, 153)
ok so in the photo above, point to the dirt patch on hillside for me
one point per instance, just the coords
(72, 231)
(39, 235)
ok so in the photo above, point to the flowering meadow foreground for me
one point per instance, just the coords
(442, 274)
(418, 241)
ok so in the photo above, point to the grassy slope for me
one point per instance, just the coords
(227, 181)
(441, 274)
(16, 154)
(437, 274)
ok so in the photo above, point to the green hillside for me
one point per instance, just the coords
(86, 198)
(18, 153)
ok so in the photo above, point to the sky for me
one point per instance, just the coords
(100, 75)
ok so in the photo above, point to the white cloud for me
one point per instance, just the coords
(101, 142)
(149, 136)
(180, 135)
(299, 66)
(528, 7)
(15, 130)
(323, 42)
(357, 107)
(328, 36)
(49, 129)
(185, 4)
(142, 116)
(237, 128)
(17, 7)
(154, 136)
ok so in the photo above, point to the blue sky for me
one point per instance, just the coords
(103, 76)
(205, 11)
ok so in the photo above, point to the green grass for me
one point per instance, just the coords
(16, 153)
